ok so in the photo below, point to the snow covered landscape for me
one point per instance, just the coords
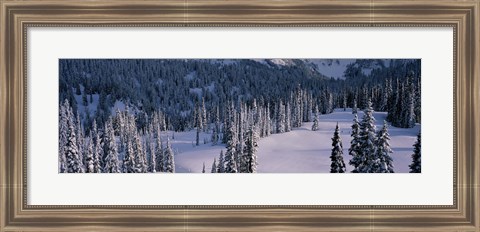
(298, 151)
(240, 116)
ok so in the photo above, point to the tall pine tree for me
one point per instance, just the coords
(140, 155)
(216, 128)
(111, 159)
(337, 165)
(250, 156)
(385, 161)
(221, 163)
(97, 149)
(354, 108)
(63, 137)
(280, 117)
(152, 164)
(159, 151)
(230, 161)
(73, 159)
(355, 150)
(416, 165)
(129, 158)
(89, 160)
(367, 138)
(214, 166)
(315, 119)
(169, 162)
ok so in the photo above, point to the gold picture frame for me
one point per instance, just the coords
(17, 16)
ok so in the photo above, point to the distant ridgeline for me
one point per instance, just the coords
(192, 92)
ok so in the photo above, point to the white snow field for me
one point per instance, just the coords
(298, 151)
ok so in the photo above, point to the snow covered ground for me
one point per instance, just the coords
(299, 151)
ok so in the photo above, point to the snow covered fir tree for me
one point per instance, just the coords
(416, 166)
(239, 116)
(337, 166)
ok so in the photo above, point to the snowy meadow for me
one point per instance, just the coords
(300, 150)
(239, 116)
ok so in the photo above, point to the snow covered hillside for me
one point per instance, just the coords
(334, 68)
(114, 113)
(299, 151)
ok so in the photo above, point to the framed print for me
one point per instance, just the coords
(239, 115)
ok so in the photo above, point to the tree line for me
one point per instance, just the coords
(117, 148)
(120, 147)
(177, 87)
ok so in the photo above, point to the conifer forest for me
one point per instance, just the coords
(239, 116)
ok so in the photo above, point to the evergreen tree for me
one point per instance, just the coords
(250, 157)
(230, 161)
(73, 159)
(80, 140)
(410, 112)
(98, 149)
(390, 101)
(337, 165)
(221, 163)
(330, 105)
(63, 137)
(152, 167)
(140, 155)
(387, 91)
(159, 151)
(385, 161)
(323, 103)
(395, 114)
(410, 105)
(214, 166)
(197, 117)
(355, 150)
(216, 128)
(418, 102)
(169, 163)
(111, 159)
(367, 140)
(89, 160)
(261, 123)
(280, 117)
(239, 148)
(268, 121)
(129, 158)
(354, 108)
(122, 128)
(197, 137)
(315, 119)
(298, 107)
(204, 116)
(163, 123)
(228, 121)
(416, 165)
(308, 108)
(288, 126)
